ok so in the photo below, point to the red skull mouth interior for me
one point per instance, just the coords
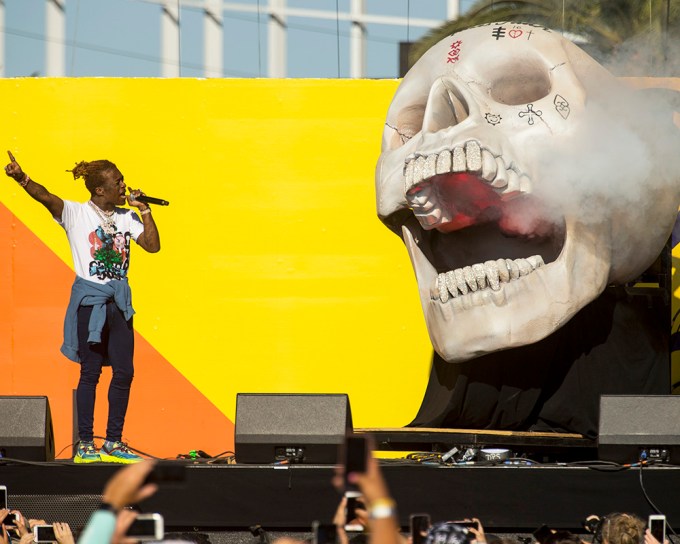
(483, 227)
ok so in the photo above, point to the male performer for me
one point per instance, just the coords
(98, 325)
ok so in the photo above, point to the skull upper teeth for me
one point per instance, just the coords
(489, 275)
(470, 157)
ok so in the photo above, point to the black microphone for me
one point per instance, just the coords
(150, 200)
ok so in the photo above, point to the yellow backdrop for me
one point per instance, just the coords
(275, 274)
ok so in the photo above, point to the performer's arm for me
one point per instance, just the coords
(53, 203)
(148, 240)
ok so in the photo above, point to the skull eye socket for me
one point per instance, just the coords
(409, 123)
(521, 83)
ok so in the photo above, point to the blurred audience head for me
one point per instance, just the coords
(623, 529)
(446, 532)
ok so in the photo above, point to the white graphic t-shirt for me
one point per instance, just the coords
(100, 245)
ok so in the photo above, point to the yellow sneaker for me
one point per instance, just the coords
(87, 453)
(118, 452)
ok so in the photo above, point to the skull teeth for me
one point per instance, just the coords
(489, 275)
(470, 157)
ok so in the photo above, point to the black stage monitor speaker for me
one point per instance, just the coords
(298, 428)
(639, 427)
(26, 428)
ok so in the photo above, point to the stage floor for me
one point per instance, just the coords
(513, 498)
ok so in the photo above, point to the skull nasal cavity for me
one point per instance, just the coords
(520, 83)
(446, 107)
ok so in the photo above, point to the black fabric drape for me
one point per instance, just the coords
(618, 344)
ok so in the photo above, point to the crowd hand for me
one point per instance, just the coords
(127, 486)
(650, 539)
(20, 528)
(63, 533)
(26, 539)
(123, 521)
(13, 169)
(371, 482)
(480, 537)
(339, 520)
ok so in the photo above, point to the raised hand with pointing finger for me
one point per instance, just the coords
(14, 171)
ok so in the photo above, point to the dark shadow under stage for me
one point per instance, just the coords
(507, 498)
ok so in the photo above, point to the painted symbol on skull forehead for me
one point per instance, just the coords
(454, 52)
(492, 118)
(529, 113)
(498, 32)
(562, 106)
(515, 33)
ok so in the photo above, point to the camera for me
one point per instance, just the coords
(44, 533)
(147, 527)
(593, 524)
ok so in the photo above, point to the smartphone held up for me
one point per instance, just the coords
(354, 457)
(44, 533)
(147, 527)
(657, 526)
(419, 525)
(352, 502)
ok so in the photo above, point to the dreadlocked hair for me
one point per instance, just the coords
(92, 172)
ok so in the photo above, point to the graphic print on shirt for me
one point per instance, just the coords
(110, 254)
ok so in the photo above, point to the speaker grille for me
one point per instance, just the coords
(631, 426)
(26, 428)
(72, 509)
(267, 425)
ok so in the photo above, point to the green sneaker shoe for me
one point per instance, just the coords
(87, 453)
(118, 452)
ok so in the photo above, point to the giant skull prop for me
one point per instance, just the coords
(523, 181)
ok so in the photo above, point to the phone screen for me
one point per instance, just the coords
(146, 527)
(355, 454)
(473, 525)
(352, 503)
(3, 496)
(657, 526)
(324, 533)
(420, 523)
(10, 520)
(44, 533)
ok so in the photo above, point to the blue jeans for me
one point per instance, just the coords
(117, 347)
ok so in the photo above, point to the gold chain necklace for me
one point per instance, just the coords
(107, 222)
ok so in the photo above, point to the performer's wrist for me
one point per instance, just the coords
(145, 210)
(23, 179)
